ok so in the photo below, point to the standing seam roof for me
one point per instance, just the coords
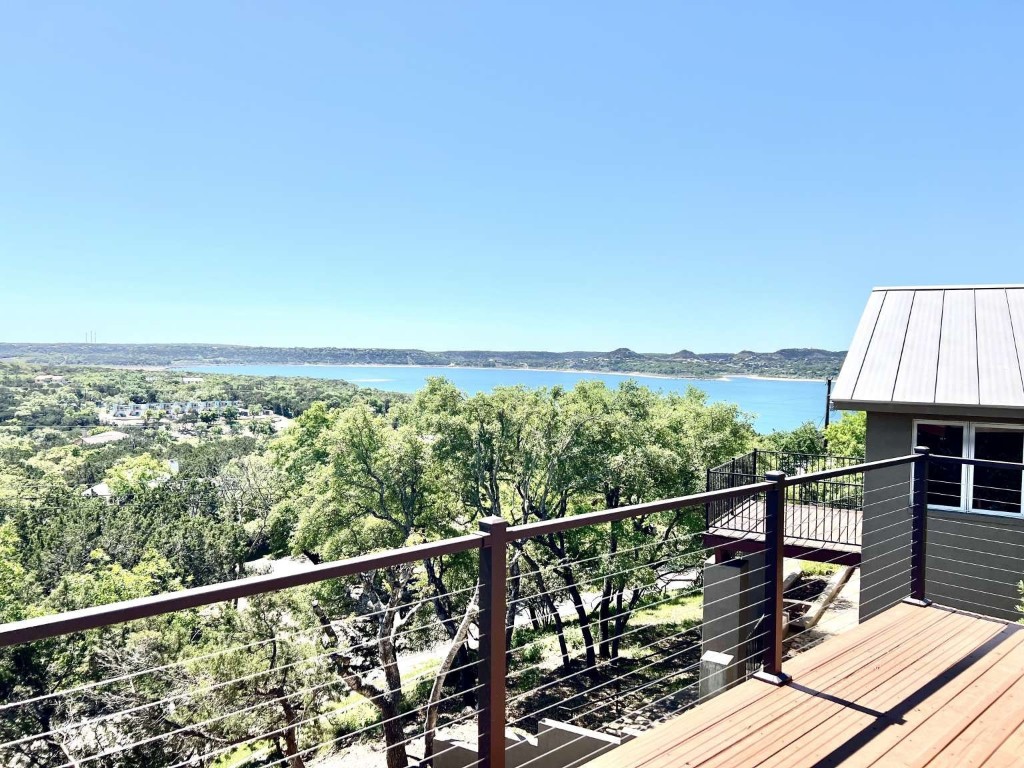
(938, 346)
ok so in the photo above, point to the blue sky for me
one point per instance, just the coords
(453, 175)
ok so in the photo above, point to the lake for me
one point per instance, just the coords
(776, 404)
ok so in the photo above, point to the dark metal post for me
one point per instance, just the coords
(754, 473)
(774, 516)
(493, 575)
(919, 527)
(828, 404)
(707, 504)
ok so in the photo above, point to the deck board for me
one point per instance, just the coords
(911, 687)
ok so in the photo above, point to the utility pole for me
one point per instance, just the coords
(828, 406)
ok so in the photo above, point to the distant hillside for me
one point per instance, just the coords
(796, 363)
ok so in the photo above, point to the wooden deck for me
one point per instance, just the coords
(911, 687)
(811, 528)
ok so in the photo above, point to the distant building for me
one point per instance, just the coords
(99, 491)
(102, 438)
(102, 490)
(48, 378)
(191, 380)
(172, 409)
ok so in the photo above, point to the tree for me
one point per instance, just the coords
(381, 496)
(848, 435)
(135, 474)
(806, 438)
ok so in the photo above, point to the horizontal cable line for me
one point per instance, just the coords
(989, 616)
(978, 591)
(260, 737)
(316, 747)
(973, 577)
(638, 609)
(615, 679)
(835, 560)
(666, 599)
(902, 497)
(631, 712)
(905, 587)
(603, 576)
(975, 485)
(660, 660)
(840, 555)
(218, 718)
(288, 637)
(616, 553)
(605, 662)
(224, 684)
(1017, 572)
(933, 544)
(673, 597)
(1002, 542)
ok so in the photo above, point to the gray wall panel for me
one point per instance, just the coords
(974, 561)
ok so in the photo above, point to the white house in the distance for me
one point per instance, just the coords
(110, 436)
(178, 408)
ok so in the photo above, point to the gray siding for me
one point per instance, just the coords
(974, 562)
(885, 569)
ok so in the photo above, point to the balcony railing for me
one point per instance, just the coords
(826, 510)
(371, 659)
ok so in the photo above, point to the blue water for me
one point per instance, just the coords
(775, 404)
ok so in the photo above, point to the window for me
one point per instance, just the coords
(976, 489)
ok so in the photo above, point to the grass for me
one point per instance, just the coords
(683, 610)
(811, 568)
(242, 756)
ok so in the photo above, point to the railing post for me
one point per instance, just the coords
(707, 504)
(493, 576)
(919, 527)
(774, 523)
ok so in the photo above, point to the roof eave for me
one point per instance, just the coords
(931, 409)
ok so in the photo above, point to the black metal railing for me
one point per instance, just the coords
(823, 510)
(496, 623)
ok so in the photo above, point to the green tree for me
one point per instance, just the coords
(806, 438)
(848, 435)
(135, 473)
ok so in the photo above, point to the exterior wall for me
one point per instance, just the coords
(734, 599)
(974, 560)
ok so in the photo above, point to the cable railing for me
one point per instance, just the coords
(353, 660)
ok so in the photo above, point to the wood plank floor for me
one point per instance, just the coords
(807, 525)
(911, 687)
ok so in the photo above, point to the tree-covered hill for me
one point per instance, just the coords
(810, 363)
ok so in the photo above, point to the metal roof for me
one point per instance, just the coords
(944, 346)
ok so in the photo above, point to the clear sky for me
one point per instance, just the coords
(714, 176)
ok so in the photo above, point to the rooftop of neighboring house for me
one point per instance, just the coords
(110, 436)
(939, 348)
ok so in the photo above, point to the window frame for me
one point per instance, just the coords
(967, 447)
(966, 470)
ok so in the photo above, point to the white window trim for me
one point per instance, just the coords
(966, 470)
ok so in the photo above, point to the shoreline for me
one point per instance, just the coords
(622, 374)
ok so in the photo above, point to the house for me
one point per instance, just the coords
(103, 490)
(191, 380)
(943, 367)
(172, 409)
(110, 436)
(48, 378)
